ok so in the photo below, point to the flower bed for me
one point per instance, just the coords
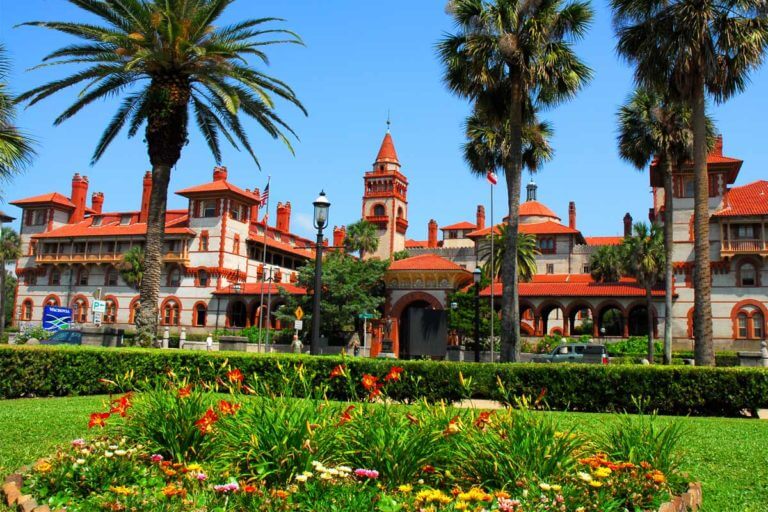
(188, 444)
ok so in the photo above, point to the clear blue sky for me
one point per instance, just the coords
(361, 59)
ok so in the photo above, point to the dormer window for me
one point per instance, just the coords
(125, 220)
(96, 221)
(237, 212)
(37, 217)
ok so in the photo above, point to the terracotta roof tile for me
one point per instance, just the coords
(538, 228)
(176, 221)
(573, 285)
(426, 262)
(604, 240)
(416, 244)
(387, 151)
(750, 199)
(460, 225)
(219, 186)
(52, 198)
(536, 209)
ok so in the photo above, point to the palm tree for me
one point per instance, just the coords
(10, 250)
(361, 237)
(169, 60)
(15, 148)
(693, 49)
(132, 267)
(513, 54)
(526, 254)
(606, 264)
(651, 125)
(645, 261)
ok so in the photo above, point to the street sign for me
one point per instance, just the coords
(56, 318)
(299, 314)
(298, 325)
(99, 306)
(365, 316)
(97, 316)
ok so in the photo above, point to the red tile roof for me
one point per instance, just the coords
(715, 159)
(416, 244)
(52, 198)
(604, 240)
(573, 285)
(219, 186)
(460, 225)
(302, 248)
(256, 289)
(538, 228)
(426, 262)
(536, 209)
(111, 226)
(750, 199)
(387, 151)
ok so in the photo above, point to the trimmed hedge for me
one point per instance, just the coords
(677, 390)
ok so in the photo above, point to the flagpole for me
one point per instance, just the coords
(493, 276)
(264, 261)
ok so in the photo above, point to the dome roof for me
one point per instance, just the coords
(536, 209)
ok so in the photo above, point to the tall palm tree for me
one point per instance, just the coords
(132, 267)
(693, 49)
(15, 148)
(10, 250)
(606, 264)
(526, 254)
(645, 261)
(513, 53)
(651, 125)
(169, 60)
(361, 238)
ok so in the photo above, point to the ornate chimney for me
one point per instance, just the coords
(627, 225)
(572, 215)
(480, 217)
(79, 194)
(432, 234)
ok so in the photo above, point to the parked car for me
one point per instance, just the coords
(64, 337)
(575, 353)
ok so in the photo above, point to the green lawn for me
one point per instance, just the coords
(730, 456)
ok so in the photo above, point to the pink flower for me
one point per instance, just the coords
(508, 505)
(367, 473)
(225, 488)
(78, 443)
(156, 458)
(201, 476)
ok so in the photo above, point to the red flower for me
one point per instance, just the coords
(249, 489)
(370, 382)
(394, 374)
(346, 417)
(228, 408)
(235, 376)
(185, 391)
(205, 424)
(338, 371)
(121, 405)
(98, 419)
(483, 420)
(428, 469)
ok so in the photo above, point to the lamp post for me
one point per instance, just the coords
(321, 205)
(477, 274)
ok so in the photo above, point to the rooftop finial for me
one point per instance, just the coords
(389, 121)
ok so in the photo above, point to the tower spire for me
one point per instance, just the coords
(389, 122)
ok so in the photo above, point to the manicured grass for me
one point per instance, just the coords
(728, 455)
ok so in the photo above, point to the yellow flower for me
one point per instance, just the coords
(596, 483)
(461, 506)
(405, 488)
(544, 486)
(603, 472)
(585, 476)
(557, 488)
(581, 509)
(194, 467)
(125, 491)
(43, 467)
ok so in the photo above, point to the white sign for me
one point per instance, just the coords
(97, 318)
(99, 306)
(298, 325)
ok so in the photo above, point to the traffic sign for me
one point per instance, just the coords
(99, 306)
(298, 325)
(299, 314)
(365, 316)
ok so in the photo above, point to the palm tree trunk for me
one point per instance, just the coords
(669, 275)
(2, 299)
(510, 301)
(703, 349)
(649, 315)
(166, 134)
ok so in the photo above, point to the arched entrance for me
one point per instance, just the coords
(421, 325)
(238, 314)
(637, 320)
(610, 321)
(580, 319)
(551, 318)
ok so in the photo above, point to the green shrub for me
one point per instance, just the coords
(36, 332)
(634, 345)
(57, 371)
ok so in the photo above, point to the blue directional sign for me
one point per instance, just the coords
(56, 319)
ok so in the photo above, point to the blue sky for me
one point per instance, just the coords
(362, 59)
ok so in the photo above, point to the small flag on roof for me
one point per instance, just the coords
(265, 195)
(492, 178)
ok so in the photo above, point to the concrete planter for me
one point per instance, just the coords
(199, 345)
(234, 343)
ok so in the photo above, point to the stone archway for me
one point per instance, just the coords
(637, 319)
(549, 323)
(400, 315)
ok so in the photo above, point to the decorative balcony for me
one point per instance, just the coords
(377, 219)
(105, 257)
(743, 246)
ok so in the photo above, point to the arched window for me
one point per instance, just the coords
(26, 310)
(747, 275)
(238, 314)
(52, 301)
(757, 326)
(174, 277)
(110, 312)
(110, 277)
(134, 310)
(80, 310)
(201, 315)
(379, 211)
(749, 321)
(400, 212)
(742, 321)
(202, 278)
(171, 312)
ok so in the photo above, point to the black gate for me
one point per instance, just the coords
(423, 332)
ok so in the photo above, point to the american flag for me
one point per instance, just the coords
(265, 194)
(491, 177)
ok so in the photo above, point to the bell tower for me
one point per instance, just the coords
(385, 202)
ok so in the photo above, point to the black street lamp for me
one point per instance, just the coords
(476, 276)
(321, 205)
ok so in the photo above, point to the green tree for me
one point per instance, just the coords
(645, 261)
(361, 238)
(693, 49)
(606, 264)
(350, 286)
(132, 267)
(9, 296)
(15, 148)
(10, 251)
(462, 318)
(169, 60)
(526, 254)
(401, 255)
(651, 125)
(513, 54)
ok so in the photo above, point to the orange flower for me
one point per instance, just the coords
(281, 494)
(394, 374)
(228, 408)
(346, 417)
(338, 371)
(98, 419)
(235, 376)
(453, 427)
(370, 382)
(185, 391)
(429, 469)
(413, 419)
(121, 405)
(483, 420)
(249, 489)
(205, 424)
(171, 490)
